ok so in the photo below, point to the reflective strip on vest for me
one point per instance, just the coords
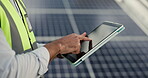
(27, 24)
(16, 41)
(22, 6)
(14, 32)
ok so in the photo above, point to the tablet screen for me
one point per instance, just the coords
(97, 35)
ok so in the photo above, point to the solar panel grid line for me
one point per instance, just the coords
(38, 27)
(122, 60)
(75, 29)
(116, 61)
(91, 21)
(127, 65)
(145, 55)
(69, 30)
(58, 69)
(105, 69)
(72, 21)
(138, 68)
(54, 25)
(76, 11)
(102, 71)
(65, 70)
(130, 38)
(143, 67)
(61, 27)
(57, 27)
(92, 4)
(129, 68)
(108, 67)
(134, 63)
(45, 30)
(44, 3)
(52, 28)
(118, 38)
(49, 27)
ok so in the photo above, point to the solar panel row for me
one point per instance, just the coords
(116, 59)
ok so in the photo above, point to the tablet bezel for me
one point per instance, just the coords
(120, 27)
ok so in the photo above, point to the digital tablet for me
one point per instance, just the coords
(100, 35)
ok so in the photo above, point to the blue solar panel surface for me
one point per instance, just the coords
(93, 4)
(121, 59)
(50, 24)
(89, 22)
(44, 4)
(125, 58)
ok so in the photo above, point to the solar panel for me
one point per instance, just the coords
(126, 58)
(62, 69)
(88, 22)
(44, 4)
(115, 59)
(93, 4)
(51, 24)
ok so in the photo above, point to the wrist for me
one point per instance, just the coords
(53, 49)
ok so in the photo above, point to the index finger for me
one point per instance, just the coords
(84, 34)
(84, 38)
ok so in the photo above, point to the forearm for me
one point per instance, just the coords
(34, 63)
(29, 65)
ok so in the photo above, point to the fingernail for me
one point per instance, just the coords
(85, 32)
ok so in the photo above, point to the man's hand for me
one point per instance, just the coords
(67, 44)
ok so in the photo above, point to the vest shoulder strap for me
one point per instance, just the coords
(15, 37)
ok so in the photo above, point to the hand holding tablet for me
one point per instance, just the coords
(100, 35)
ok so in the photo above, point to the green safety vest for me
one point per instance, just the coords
(16, 29)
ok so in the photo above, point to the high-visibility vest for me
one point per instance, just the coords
(16, 29)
